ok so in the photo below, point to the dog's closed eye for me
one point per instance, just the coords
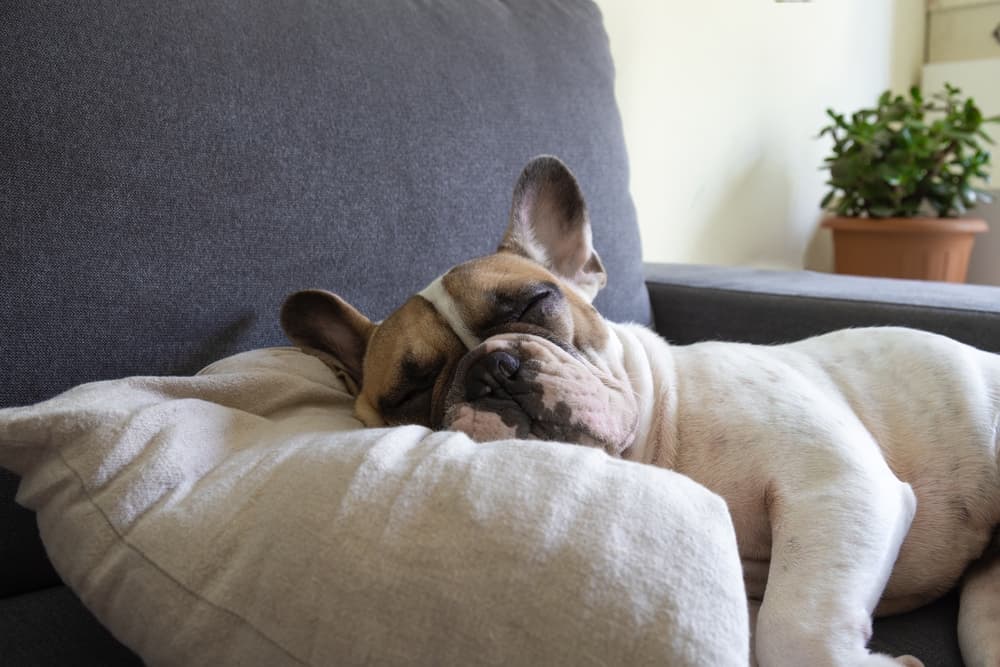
(418, 381)
(540, 301)
(409, 396)
(527, 305)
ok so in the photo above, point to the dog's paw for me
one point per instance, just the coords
(881, 660)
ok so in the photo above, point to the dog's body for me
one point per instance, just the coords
(861, 468)
(824, 451)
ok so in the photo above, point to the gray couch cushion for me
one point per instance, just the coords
(25, 567)
(700, 302)
(52, 628)
(170, 171)
(930, 633)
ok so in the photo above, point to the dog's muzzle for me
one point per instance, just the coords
(518, 385)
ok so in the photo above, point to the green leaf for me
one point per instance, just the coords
(837, 118)
(887, 160)
(968, 196)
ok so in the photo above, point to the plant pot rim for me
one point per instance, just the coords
(916, 224)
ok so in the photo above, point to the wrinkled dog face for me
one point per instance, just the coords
(506, 345)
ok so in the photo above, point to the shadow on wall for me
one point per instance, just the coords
(818, 255)
(984, 265)
(906, 54)
(749, 223)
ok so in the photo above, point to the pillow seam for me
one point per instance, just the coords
(160, 569)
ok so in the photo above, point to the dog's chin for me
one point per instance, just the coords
(536, 389)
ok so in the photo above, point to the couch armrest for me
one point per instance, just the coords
(696, 302)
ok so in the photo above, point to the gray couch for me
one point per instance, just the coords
(169, 172)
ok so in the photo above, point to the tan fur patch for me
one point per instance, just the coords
(475, 285)
(410, 357)
(412, 354)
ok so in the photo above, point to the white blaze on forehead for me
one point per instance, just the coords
(437, 295)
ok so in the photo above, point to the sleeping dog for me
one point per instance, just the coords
(860, 467)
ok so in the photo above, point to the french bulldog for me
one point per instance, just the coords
(861, 468)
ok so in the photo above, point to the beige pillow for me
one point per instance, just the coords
(242, 516)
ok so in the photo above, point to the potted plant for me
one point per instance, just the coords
(901, 183)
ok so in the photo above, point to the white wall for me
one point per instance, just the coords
(978, 79)
(721, 102)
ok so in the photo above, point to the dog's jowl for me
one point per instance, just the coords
(861, 468)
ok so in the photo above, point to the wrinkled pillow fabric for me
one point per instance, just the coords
(242, 516)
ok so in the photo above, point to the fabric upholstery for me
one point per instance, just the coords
(173, 171)
(169, 172)
(698, 302)
(930, 632)
(52, 628)
(243, 516)
(20, 548)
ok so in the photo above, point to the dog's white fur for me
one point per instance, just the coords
(810, 443)
(861, 467)
(824, 450)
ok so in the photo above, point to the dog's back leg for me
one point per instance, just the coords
(834, 544)
(979, 610)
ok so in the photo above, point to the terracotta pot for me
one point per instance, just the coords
(919, 248)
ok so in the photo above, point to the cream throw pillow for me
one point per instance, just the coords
(242, 516)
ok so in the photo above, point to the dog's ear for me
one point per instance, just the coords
(549, 224)
(323, 322)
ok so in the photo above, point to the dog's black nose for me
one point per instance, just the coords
(487, 373)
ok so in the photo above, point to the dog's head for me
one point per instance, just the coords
(506, 345)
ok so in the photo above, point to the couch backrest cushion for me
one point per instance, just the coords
(170, 171)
